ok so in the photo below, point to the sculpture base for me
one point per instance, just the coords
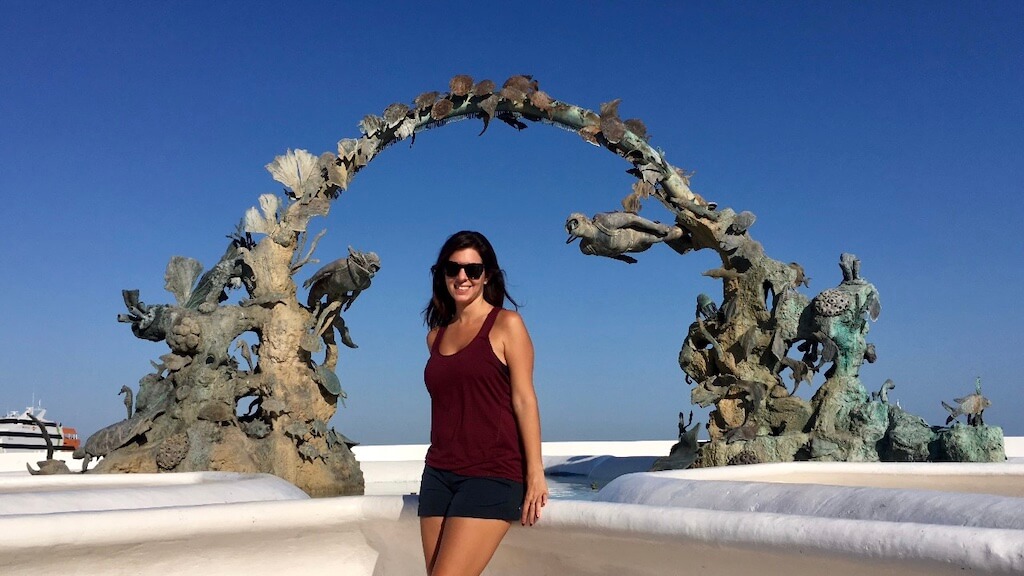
(335, 474)
(902, 443)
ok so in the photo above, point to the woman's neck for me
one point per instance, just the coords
(472, 311)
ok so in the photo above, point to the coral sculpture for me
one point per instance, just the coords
(188, 414)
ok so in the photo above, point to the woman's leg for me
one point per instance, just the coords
(430, 534)
(464, 545)
(436, 492)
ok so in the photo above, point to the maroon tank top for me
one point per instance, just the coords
(473, 428)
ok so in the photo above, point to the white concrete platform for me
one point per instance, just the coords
(26, 494)
(395, 470)
(16, 461)
(768, 519)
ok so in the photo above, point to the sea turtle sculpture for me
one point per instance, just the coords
(108, 439)
(612, 234)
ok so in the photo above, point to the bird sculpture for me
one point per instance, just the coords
(972, 406)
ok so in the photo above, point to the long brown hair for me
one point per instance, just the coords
(440, 311)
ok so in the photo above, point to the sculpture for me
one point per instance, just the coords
(612, 234)
(127, 399)
(188, 414)
(50, 465)
(737, 365)
(883, 393)
(684, 452)
(115, 436)
(706, 307)
(342, 281)
(972, 406)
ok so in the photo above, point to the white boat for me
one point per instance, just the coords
(19, 433)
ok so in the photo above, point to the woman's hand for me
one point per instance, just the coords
(536, 497)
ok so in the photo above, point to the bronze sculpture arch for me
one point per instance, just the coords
(187, 414)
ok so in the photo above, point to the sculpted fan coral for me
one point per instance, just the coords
(298, 170)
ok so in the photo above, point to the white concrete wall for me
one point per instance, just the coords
(1014, 446)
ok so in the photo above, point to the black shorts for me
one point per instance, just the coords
(444, 493)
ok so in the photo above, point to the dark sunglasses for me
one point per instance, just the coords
(473, 271)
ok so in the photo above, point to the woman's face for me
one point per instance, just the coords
(461, 286)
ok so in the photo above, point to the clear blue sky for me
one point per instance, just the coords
(131, 132)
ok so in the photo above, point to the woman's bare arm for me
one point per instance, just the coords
(430, 338)
(517, 350)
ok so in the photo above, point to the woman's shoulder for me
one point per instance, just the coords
(509, 321)
(431, 336)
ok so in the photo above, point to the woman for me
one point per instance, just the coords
(483, 469)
